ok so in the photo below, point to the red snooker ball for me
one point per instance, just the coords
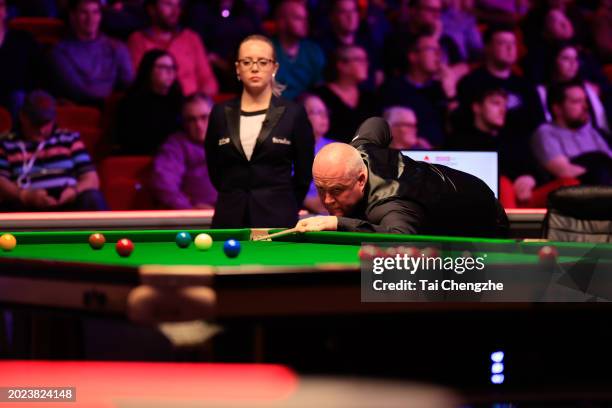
(367, 252)
(97, 241)
(124, 247)
(548, 253)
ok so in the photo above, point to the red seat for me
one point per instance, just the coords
(88, 122)
(78, 117)
(124, 182)
(6, 122)
(270, 27)
(538, 197)
(222, 97)
(608, 71)
(46, 30)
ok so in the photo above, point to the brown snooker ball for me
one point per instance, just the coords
(97, 241)
(124, 247)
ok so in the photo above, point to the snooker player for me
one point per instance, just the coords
(368, 187)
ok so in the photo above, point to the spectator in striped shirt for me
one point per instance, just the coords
(43, 168)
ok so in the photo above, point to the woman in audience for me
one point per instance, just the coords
(319, 119)
(348, 105)
(259, 147)
(151, 109)
(565, 65)
(180, 176)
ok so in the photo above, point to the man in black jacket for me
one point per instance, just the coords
(368, 187)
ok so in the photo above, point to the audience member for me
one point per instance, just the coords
(564, 66)
(151, 109)
(88, 65)
(550, 20)
(222, 24)
(424, 17)
(123, 17)
(319, 119)
(346, 30)
(501, 11)
(428, 87)
(459, 23)
(179, 179)
(194, 71)
(46, 168)
(488, 131)
(38, 8)
(602, 32)
(404, 127)
(570, 146)
(500, 57)
(557, 29)
(301, 60)
(19, 72)
(348, 105)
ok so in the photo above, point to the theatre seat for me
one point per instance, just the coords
(88, 122)
(507, 197)
(6, 123)
(579, 214)
(222, 97)
(123, 181)
(46, 30)
(78, 117)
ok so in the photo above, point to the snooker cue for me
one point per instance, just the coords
(277, 234)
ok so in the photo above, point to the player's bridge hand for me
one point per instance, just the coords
(320, 223)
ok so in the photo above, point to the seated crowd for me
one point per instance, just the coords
(527, 79)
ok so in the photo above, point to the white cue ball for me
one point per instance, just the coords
(203, 242)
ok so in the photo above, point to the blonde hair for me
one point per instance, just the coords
(277, 89)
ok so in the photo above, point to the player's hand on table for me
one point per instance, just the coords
(68, 195)
(321, 223)
(37, 198)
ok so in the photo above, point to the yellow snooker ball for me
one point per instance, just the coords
(8, 242)
(203, 242)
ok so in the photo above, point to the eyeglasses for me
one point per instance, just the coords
(192, 119)
(165, 67)
(404, 124)
(262, 63)
(317, 112)
(430, 49)
(359, 60)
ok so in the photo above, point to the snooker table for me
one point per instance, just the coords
(312, 273)
(301, 296)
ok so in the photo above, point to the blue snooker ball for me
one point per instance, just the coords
(183, 239)
(231, 247)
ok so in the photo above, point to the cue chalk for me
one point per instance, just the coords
(276, 234)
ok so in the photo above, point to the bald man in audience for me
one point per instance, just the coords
(404, 129)
(368, 187)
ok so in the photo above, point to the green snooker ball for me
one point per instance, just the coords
(183, 239)
(203, 242)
